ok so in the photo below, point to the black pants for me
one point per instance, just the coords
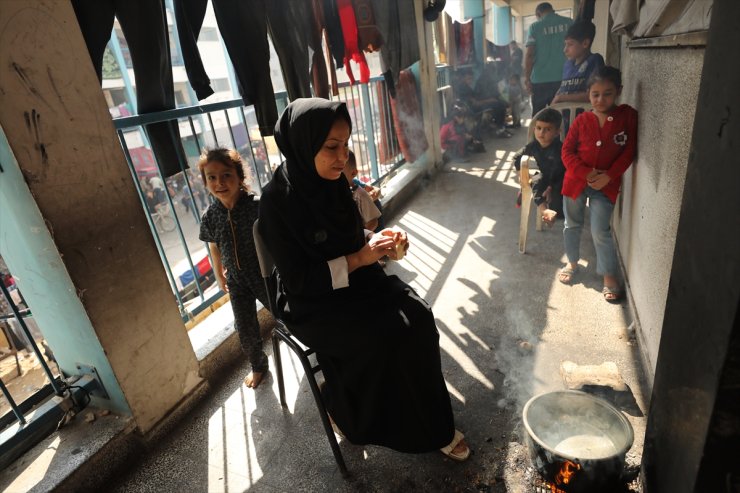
(556, 197)
(542, 94)
(144, 24)
(243, 27)
(243, 296)
(498, 113)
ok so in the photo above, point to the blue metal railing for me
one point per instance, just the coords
(230, 123)
(23, 336)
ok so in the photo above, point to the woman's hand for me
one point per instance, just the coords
(378, 246)
(400, 241)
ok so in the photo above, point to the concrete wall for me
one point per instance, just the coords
(662, 84)
(57, 123)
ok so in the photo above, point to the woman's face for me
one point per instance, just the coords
(334, 152)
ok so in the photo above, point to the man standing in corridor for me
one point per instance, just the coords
(543, 62)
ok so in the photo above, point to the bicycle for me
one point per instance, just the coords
(162, 219)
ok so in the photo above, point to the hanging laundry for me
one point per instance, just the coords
(386, 143)
(351, 46)
(465, 40)
(189, 16)
(290, 25)
(367, 29)
(243, 28)
(333, 26)
(144, 25)
(319, 73)
(396, 22)
(408, 118)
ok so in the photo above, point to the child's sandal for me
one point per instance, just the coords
(567, 274)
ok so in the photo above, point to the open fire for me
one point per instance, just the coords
(564, 476)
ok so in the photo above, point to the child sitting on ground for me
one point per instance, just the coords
(368, 210)
(580, 63)
(456, 140)
(227, 227)
(599, 148)
(545, 148)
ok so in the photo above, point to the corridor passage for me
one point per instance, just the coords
(506, 324)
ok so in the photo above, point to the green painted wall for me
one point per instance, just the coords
(33, 258)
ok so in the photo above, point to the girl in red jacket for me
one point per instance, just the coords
(599, 148)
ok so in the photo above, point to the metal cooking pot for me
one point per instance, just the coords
(577, 441)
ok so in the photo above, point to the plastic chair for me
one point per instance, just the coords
(569, 112)
(282, 333)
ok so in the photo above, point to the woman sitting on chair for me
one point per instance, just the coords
(374, 337)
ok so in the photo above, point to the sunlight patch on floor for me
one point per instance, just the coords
(454, 392)
(232, 454)
(429, 244)
(36, 470)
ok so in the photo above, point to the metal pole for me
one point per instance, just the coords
(13, 405)
(369, 132)
(157, 240)
(57, 389)
(118, 55)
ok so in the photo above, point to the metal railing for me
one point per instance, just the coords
(174, 216)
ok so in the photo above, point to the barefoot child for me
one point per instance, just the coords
(599, 148)
(545, 149)
(227, 227)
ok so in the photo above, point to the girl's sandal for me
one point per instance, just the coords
(566, 274)
(449, 450)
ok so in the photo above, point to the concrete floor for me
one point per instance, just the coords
(487, 299)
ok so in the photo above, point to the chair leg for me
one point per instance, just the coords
(325, 421)
(278, 367)
(526, 203)
(524, 218)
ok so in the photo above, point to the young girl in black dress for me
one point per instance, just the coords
(227, 227)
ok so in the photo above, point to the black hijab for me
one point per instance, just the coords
(320, 212)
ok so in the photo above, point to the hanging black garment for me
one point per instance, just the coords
(333, 26)
(189, 16)
(144, 25)
(243, 27)
(384, 382)
(397, 24)
(319, 75)
(290, 25)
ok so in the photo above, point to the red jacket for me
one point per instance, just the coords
(610, 148)
(449, 138)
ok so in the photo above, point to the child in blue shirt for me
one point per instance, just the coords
(580, 63)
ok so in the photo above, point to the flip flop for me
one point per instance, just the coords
(612, 295)
(567, 271)
(449, 449)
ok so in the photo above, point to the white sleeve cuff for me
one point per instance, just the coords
(339, 272)
(368, 233)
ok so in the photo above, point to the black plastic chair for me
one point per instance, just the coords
(282, 333)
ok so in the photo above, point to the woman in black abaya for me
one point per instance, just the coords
(375, 339)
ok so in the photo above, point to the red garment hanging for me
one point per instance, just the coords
(408, 119)
(351, 48)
